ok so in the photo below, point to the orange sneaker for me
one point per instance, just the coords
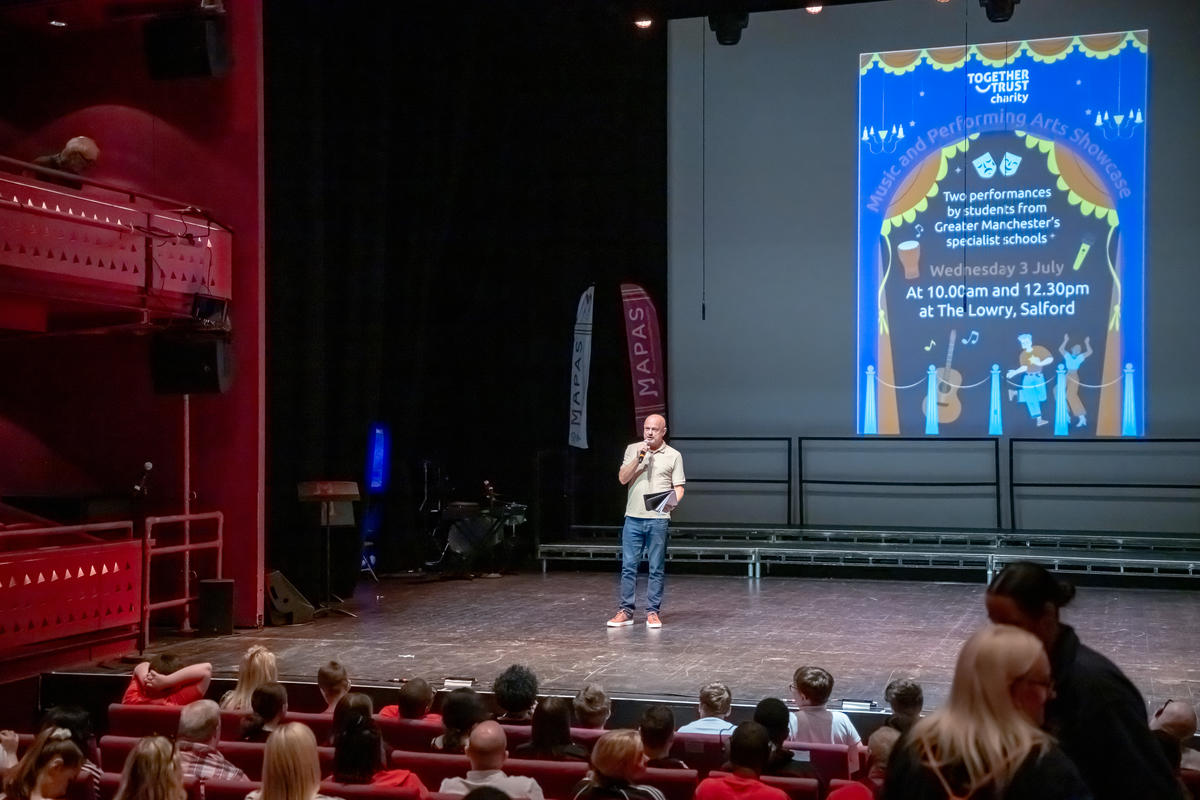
(621, 619)
(653, 621)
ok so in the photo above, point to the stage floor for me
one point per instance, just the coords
(750, 634)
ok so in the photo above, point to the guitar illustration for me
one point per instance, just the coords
(948, 382)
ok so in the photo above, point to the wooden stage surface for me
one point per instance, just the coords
(750, 634)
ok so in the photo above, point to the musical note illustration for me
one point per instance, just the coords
(972, 339)
(929, 346)
(919, 229)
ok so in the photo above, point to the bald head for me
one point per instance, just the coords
(487, 747)
(79, 154)
(654, 429)
(1177, 719)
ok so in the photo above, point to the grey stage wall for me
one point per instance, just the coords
(763, 176)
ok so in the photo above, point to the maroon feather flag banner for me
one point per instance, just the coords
(645, 354)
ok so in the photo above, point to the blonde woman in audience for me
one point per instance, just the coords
(46, 769)
(618, 760)
(985, 742)
(152, 772)
(291, 766)
(257, 668)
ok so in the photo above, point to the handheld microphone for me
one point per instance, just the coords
(140, 486)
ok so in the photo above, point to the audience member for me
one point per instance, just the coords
(986, 740)
(165, 681)
(592, 707)
(461, 711)
(715, 704)
(1176, 721)
(772, 714)
(197, 738)
(46, 769)
(291, 766)
(879, 751)
(749, 749)
(334, 683)
(550, 733)
(812, 722)
(268, 706)
(8, 750)
(657, 728)
(354, 709)
(79, 723)
(487, 752)
(851, 791)
(1098, 715)
(76, 157)
(151, 772)
(618, 760)
(515, 691)
(359, 755)
(416, 698)
(906, 700)
(257, 668)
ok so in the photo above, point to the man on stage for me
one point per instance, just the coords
(650, 466)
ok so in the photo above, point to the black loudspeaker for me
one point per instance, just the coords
(191, 363)
(187, 46)
(216, 607)
(285, 604)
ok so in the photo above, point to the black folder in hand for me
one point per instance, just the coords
(658, 500)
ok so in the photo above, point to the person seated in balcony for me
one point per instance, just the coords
(197, 739)
(334, 683)
(550, 733)
(618, 762)
(515, 691)
(715, 704)
(416, 698)
(166, 681)
(257, 667)
(268, 707)
(749, 749)
(46, 770)
(487, 750)
(906, 699)
(461, 712)
(151, 772)
(657, 727)
(76, 157)
(591, 707)
(359, 755)
(772, 713)
(812, 722)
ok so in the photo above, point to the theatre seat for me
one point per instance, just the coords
(431, 768)
(557, 778)
(796, 788)
(140, 720)
(246, 756)
(110, 781)
(586, 737)
(701, 751)
(675, 784)
(831, 760)
(412, 735)
(229, 790)
(358, 791)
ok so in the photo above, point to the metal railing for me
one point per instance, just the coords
(150, 549)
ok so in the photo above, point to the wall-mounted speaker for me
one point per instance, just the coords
(187, 46)
(191, 363)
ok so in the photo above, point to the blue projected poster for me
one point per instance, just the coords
(1002, 238)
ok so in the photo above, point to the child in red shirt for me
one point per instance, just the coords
(165, 681)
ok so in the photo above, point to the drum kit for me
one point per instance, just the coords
(474, 538)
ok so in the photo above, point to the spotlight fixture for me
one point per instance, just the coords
(999, 10)
(728, 27)
(813, 8)
(643, 23)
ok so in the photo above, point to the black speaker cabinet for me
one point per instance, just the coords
(191, 363)
(285, 604)
(192, 45)
(216, 607)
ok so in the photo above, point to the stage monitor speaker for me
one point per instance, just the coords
(216, 607)
(190, 363)
(285, 604)
(187, 46)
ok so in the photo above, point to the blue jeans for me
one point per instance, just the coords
(638, 535)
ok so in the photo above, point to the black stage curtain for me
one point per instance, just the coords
(443, 180)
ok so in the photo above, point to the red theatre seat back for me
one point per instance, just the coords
(557, 778)
(431, 768)
(831, 760)
(701, 751)
(413, 735)
(111, 781)
(353, 791)
(675, 784)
